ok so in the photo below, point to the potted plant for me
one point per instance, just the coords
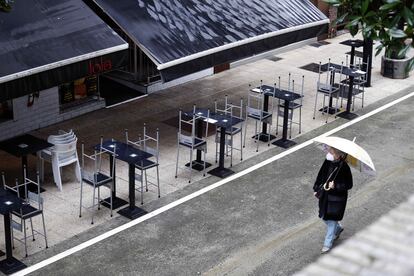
(391, 22)
(5, 5)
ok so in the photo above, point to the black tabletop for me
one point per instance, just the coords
(224, 120)
(345, 70)
(279, 93)
(9, 201)
(125, 152)
(353, 42)
(24, 145)
(217, 119)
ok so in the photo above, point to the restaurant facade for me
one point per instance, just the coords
(51, 61)
(52, 54)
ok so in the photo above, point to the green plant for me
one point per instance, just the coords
(391, 22)
(5, 5)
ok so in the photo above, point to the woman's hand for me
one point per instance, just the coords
(331, 185)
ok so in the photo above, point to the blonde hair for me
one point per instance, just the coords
(342, 155)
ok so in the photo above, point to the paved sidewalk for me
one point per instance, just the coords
(264, 222)
(383, 248)
(158, 110)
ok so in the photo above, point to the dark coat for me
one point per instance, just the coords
(332, 203)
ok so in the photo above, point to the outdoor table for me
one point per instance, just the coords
(354, 43)
(9, 202)
(132, 156)
(351, 73)
(22, 146)
(222, 121)
(287, 96)
(264, 136)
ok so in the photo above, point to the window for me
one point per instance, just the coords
(78, 92)
(6, 111)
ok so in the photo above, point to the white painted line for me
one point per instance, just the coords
(127, 101)
(200, 192)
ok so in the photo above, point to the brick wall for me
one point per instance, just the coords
(45, 111)
(384, 248)
(333, 15)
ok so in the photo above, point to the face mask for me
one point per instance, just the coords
(329, 157)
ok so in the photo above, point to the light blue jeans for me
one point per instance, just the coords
(333, 228)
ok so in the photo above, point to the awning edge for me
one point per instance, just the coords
(239, 43)
(60, 63)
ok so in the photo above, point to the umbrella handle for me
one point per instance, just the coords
(324, 187)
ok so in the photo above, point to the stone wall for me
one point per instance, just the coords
(332, 15)
(331, 12)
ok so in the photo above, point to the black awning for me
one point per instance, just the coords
(186, 36)
(45, 43)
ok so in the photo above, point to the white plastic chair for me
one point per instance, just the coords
(62, 154)
(62, 137)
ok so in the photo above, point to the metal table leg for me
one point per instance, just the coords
(284, 142)
(116, 201)
(10, 264)
(264, 136)
(132, 211)
(198, 164)
(221, 171)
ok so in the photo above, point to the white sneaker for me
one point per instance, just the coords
(325, 249)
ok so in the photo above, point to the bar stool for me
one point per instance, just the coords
(32, 207)
(191, 142)
(255, 111)
(96, 178)
(232, 110)
(358, 89)
(145, 145)
(328, 89)
(293, 105)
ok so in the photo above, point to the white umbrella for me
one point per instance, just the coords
(357, 156)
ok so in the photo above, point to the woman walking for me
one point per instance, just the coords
(331, 187)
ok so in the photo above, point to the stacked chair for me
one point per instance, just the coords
(62, 154)
(328, 88)
(358, 90)
(32, 207)
(96, 178)
(191, 141)
(232, 110)
(293, 105)
(150, 145)
(255, 110)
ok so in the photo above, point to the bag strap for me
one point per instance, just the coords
(320, 186)
(337, 169)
